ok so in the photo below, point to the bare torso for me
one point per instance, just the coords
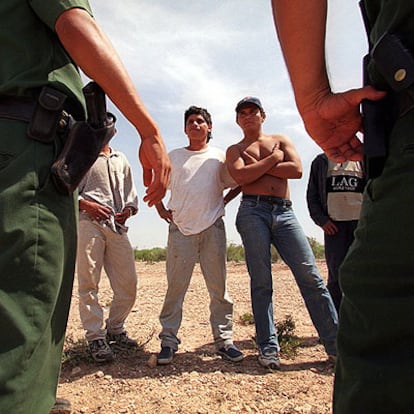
(267, 184)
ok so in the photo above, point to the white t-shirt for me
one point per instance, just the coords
(198, 179)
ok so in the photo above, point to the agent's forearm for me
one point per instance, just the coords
(93, 52)
(300, 25)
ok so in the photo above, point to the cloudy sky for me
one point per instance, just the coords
(211, 53)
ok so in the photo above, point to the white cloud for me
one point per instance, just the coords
(212, 53)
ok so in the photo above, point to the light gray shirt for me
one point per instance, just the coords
(109, 182)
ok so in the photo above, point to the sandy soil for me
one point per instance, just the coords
(198, 381)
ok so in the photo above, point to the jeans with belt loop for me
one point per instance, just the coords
(262, 221)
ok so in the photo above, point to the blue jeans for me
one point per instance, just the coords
(260, 224)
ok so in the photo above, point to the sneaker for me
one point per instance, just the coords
(269, 358)
(122, 340)
(165, 356)
(61, 406)
(100, 351)
(231, 353)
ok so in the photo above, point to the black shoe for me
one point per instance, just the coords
(165, 356)
(61, 406)
(100, 351)
(231, 353)
(122, 340)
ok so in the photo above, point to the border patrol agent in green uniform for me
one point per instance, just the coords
(37, 224)
(375, 371)
(375, 366)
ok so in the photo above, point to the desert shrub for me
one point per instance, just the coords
(285, 329)
(288, 341)
(235, 253)
(317, 248)
(156, 254)
(247, 319)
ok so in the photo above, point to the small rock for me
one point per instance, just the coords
(152, 361)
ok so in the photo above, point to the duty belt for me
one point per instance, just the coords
(17, 108)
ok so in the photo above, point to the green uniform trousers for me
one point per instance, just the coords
(37, 256)
(375, 368)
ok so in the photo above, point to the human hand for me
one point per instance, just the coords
(156, 169)
(96, 211)
(167, 216)
(277, 153)
(122, 217)
(330, 228)
(248, 159)
(334, 119)
(164, 213)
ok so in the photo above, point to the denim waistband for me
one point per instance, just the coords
(268, 199)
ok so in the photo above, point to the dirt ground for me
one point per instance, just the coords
(198, 381)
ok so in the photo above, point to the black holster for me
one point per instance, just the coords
(82, 147)
(395, 62)
(378, 117)
(84, 141)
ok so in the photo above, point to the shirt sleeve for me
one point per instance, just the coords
(227, 180)
(49, 10)
(130, 192)
(314, 194)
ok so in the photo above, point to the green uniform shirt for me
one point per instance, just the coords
(31, 54)
(396, 16)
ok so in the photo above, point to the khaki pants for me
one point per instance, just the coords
(98, 247)
(209, 247)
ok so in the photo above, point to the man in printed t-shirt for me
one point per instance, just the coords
(334, 197)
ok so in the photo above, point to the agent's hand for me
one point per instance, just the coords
(334, 119)
(156, 169)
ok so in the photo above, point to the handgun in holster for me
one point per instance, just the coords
(84, 141)
(377, 121)
(396, 64)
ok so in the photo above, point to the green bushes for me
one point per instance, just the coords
(288, 341)
(157, 254)
(317, 248)
(235, 253)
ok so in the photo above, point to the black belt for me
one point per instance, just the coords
(268, 199)
(17, 108)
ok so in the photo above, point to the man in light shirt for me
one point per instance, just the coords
(197, 233)
(107, 198)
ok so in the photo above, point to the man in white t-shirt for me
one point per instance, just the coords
(196, 233)
(334, 197)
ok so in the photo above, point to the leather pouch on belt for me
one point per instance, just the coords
(46, 116)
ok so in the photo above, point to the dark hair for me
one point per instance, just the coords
(196, 110)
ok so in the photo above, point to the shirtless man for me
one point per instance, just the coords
(262, 164)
